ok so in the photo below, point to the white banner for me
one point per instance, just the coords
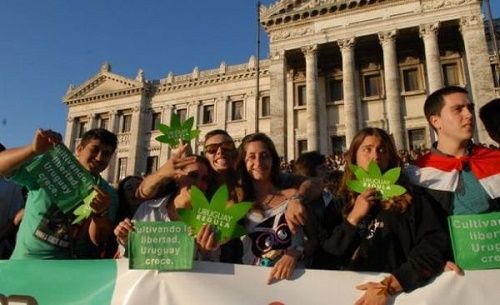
(217, 283)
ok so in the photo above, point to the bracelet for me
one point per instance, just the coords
(387, 288)
(297, 197)
(102, 214)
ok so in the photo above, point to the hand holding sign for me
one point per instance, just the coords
(215, 213)
(177, 131)
(385, 184)
(84, 211)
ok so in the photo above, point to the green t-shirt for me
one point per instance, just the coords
(44, 231)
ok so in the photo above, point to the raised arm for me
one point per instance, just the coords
(11, 159)
(151, 184)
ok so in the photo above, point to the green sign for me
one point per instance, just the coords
(476, 240)
(177, 131)
(161, 245)
(385, 183)
(62, 176)
(216, 213)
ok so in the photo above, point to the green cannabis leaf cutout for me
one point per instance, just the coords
(84, 210)
(215, 213)
(177, 131)
(385, 184)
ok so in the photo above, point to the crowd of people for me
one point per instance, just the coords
(303, 212)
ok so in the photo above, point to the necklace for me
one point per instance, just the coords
(268, 202)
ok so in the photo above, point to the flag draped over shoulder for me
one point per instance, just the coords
(439, 172)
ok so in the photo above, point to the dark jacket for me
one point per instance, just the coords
(411, 245)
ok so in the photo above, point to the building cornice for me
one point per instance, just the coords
(221, 75)
(80, 94)
(278, 17)
(287, 12)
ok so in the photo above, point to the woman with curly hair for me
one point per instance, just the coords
(400, 235)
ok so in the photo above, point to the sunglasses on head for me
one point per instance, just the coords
(225, 146)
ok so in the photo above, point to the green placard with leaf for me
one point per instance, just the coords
(215, 213)
(177, 132)
(476, 240)
(373, 178)
(161, 245)
(60, 174)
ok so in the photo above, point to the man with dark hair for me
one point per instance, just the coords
(490, 115)
(311, 164)
(46, 231)
(464, 178)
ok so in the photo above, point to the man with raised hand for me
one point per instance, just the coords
(45, 231)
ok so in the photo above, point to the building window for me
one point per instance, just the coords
(103, 122)
(265, 107)
(126, 122)
(301, 147)
(236, 110)
(181, 113)
(122, 168)
(416, 138)
(338, 144)
(151, 164)
(450, 74)
(336, 90)
(411, 79)
(301, 95)
(155, 120)
(81, 128)
(208, 114)
(372, 85)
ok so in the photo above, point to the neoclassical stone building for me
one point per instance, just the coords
(335, 66)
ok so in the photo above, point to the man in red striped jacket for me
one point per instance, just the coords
(464, 178)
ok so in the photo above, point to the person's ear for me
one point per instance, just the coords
(435, 121)
(79, 149)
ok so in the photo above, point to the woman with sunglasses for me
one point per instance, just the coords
(269, 241)
(176, 184)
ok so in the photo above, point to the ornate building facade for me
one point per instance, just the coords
(335, 66)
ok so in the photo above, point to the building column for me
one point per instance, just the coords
(348, 83)
(113, 121)
(429, 34)
(313, 130)
(478, 66)
(251, 112)
(69, 137)
(277, 72)
(194, 110)
(166, 114)
(220, 111)
(392, 91)
(290, 116)
(92, 121)
(137, 160)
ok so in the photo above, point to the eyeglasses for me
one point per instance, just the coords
(225, 146)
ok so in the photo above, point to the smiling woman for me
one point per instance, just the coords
(269, 241)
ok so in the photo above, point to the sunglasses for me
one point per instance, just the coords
(225, 146)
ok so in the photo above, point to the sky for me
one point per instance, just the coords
(47, 45)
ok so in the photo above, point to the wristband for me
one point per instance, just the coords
(387, 288)
(102, 214)
(297, 197)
